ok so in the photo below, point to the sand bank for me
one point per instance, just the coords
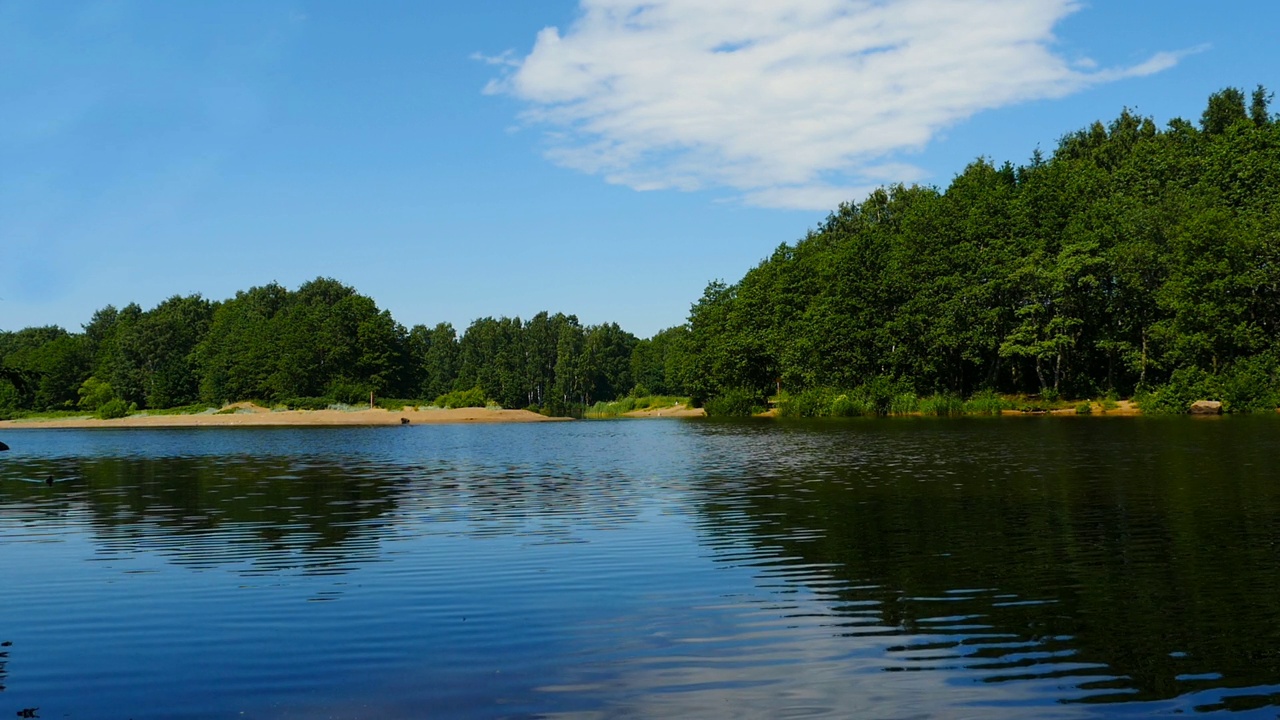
(247, 415)
(675, 411)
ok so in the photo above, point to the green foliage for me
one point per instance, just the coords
(308, 403)
(192, 409)
(844, 406)
(348, 392)
(617, 408)
(906, 403)
(1185, 386)
(94, 394)
(462, 399)
(114, 408)
(735, 402)
(1252, 384)
(394, 404)
(941, 405)
(986, 402)
(1084, 408)
(813, 402)
(1108, 404)
(1032, 404)
(1129, 254)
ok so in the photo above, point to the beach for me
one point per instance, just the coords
(248, 415)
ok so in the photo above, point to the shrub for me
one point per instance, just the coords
(814, 402)
(94, 393)
(879, 392)
(1185, 386)
(115, 408)
(348, 392)
(393, 404)
(308, 403)
(734, 402)
(1084, 408)
(462, 399)
(1108, 404)
(1252, 385)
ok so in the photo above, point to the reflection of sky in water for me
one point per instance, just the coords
(652, 569)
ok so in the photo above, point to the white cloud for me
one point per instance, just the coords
(787, 102)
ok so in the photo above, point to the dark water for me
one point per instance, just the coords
(898, 569)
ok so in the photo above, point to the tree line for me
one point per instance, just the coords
(321, 343)
(1133, 261)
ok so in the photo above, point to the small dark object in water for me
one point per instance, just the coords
(28, 712)
(48, 480)
(6, 643)
(3, 447)
(404, 421)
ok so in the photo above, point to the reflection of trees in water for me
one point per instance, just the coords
(1133, 567)
(545, 502)
(314, 515)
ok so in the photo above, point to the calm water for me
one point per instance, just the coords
(898, 569)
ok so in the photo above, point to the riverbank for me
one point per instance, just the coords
(248, 415)
(675, 411)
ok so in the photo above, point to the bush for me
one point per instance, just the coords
(814, 402)
(462, 399)
(1185, 386)
(735, 402)
(348, 392)
(115, 408)
(1084, 408)
(393, 404)
(1108, 404)
(308, 403)
(879, 393)
(94, 393)
(1252, 385)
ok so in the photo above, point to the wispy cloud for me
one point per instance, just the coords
(791, 103)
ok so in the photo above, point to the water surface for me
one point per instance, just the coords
(1055, 567)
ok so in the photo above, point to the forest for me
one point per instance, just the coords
(1133, 261)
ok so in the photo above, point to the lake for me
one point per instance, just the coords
(905, 568)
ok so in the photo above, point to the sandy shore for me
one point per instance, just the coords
(254, 416)
(675, 411)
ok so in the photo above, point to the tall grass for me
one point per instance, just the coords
(942, 405)
(618, 408)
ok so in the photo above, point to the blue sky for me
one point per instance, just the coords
(605, 158)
